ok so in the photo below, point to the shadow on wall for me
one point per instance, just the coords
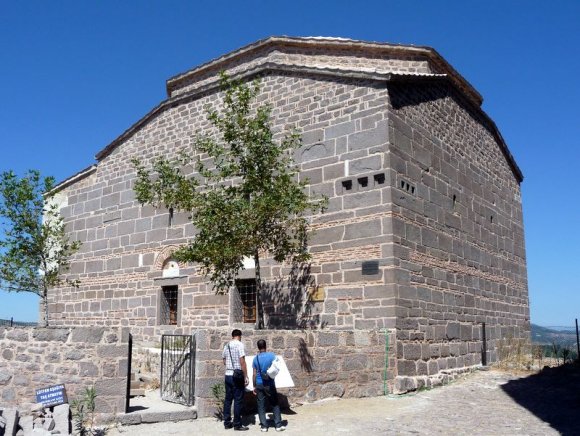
(286, 303)
(410, 94)
(306, 358)
(553, 395)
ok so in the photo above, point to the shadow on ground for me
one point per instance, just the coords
(553, 395)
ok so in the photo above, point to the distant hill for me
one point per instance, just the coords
(546, 335)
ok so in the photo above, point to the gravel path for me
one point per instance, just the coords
(483, 403)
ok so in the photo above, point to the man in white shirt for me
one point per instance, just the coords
(233, 356)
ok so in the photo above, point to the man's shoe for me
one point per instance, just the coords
(228, 425)
(264, 429)
(241, 428)
(281, 428)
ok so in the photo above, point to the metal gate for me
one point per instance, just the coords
(178, 368)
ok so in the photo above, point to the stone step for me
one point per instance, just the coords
(137, 392)
(136, 384)
(133, 418)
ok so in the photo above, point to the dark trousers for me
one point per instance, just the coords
(271, 394)
(235, 394)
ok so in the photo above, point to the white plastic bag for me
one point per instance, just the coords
(274, 368)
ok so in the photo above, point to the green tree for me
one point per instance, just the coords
(242, 191)
(34, 247)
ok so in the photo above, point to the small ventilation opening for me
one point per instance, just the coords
(363, 182)
(347, 185)
(454, 200)
(379, 179)
(491, 219)
(406, 186)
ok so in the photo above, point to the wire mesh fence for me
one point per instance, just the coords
(11, 323)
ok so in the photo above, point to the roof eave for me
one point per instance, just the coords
(74, 178)
(173, 82)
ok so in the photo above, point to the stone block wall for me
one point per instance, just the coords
(124, 245)
(418, 179)
(34, 358)
(323, 364)
(457, 232)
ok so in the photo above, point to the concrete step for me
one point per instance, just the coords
(140, 417)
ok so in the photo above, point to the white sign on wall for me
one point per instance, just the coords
(170, 269)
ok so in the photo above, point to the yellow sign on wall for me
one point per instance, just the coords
(315, 293)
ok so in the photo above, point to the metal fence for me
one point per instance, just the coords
(178, 368)
(11, 323)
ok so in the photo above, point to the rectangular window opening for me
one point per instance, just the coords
(379, 179)
(247, 292)
(363, 182)
(169, 305)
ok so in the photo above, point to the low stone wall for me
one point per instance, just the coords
(323, 364)
(33, 358)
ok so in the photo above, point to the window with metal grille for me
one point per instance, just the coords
(247, 292)
(168, 305)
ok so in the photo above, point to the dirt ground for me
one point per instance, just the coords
(482, 403)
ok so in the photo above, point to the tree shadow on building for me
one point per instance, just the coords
(306, 358)
(553, 395)
(287, 304)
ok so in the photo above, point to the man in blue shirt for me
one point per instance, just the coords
(264, 387)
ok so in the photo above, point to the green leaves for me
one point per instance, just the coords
(34, 247)
(247, 200)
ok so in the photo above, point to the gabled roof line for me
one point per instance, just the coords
(342, 43)
(249, 73)
(267, 67)
(74, 178)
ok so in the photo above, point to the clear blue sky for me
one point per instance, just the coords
(75, 74)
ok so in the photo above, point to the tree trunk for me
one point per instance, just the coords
(259, 307)
(45, 302)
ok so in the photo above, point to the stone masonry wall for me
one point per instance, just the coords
(322, 364)
(125, 245)
(34, 358)
(457, 233)
(416, 182)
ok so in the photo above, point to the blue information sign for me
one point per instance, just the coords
(51, 396)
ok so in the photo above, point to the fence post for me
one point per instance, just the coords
(129, 358)
(484, 346)
(577, 341)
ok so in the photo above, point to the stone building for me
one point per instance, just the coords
(423, 235)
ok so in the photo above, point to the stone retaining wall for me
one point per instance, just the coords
(323, 364)
(33, 358)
